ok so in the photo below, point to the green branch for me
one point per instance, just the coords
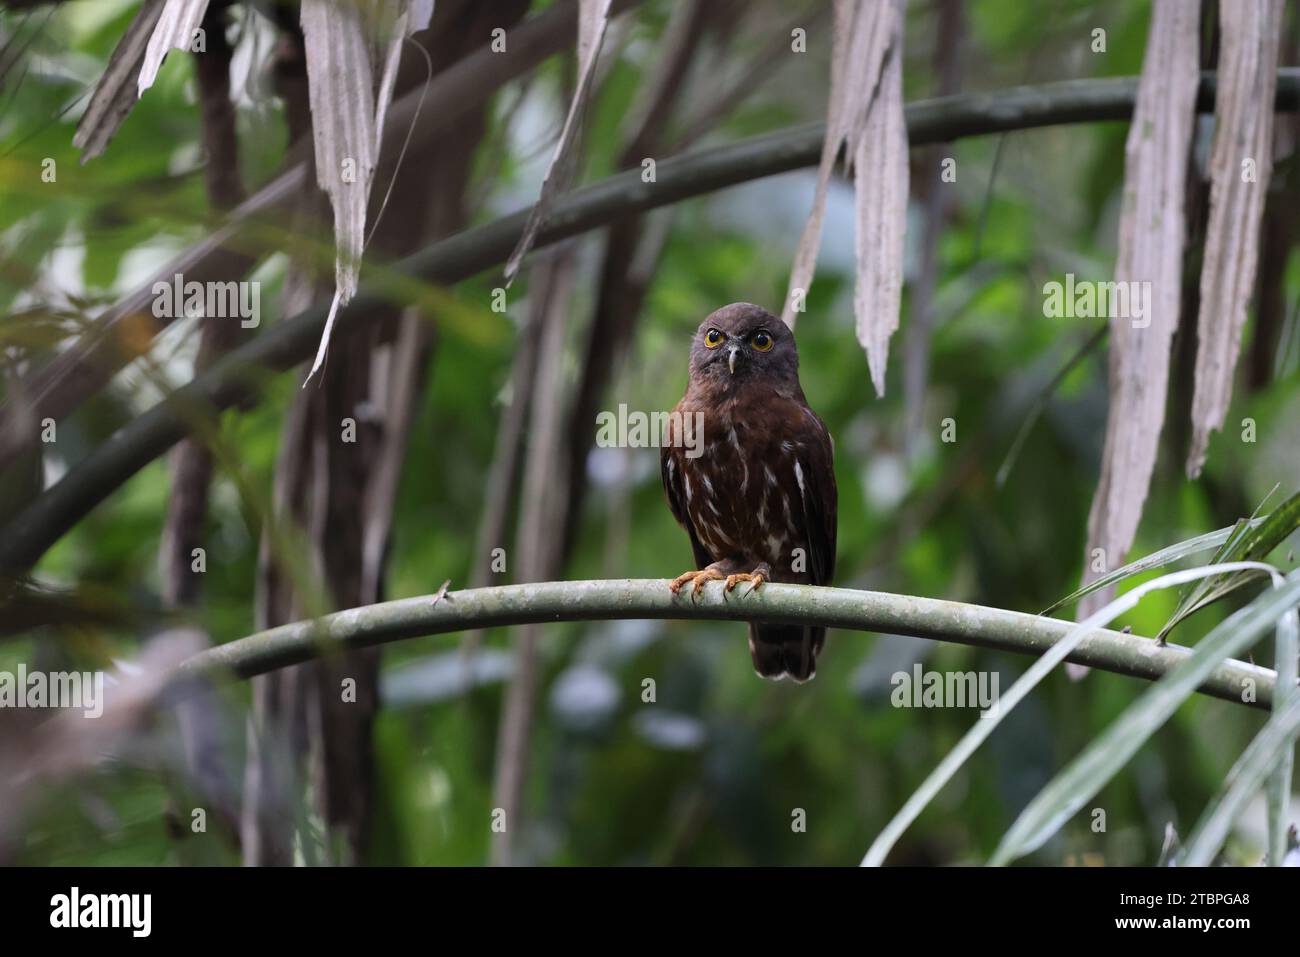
(845, 608)
(234, 379)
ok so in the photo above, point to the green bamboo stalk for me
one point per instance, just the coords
(845, 608)
(990, 720)
(1088, 773)
(1278, 795)
(234, 380)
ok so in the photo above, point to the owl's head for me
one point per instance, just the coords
(740, 343)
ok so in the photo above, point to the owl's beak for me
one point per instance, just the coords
(732, 355)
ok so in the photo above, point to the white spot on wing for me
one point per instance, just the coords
(775, 547)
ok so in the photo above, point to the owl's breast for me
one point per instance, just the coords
(742, 493)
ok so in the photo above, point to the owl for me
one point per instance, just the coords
(748, 469)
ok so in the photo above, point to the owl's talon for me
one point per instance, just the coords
(754, 578)
(698, 577)
(708, 575)
(676, 584)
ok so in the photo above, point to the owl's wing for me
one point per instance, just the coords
(820, 503)
(671, 473)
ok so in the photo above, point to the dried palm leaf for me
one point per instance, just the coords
(174, 31)
(593, 21)
(865, 119)
(1151, 237)
(117, 90)
(1241, 163)
(351, 49)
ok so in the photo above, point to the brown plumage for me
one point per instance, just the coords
(748, 468)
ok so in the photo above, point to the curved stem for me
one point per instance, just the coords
(977, 625)
(234, 380)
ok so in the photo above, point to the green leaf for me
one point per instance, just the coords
(1287, 663)
(1165, 556)
(990, 719)
(1245, 544)
(1100, 761)
(1263, 755)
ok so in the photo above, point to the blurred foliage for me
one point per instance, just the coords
(713, 770)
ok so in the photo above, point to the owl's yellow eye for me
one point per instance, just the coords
(761, 340)
(713, 338)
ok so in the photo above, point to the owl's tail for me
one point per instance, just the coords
(780, 650)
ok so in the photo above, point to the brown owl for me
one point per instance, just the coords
(748, 471)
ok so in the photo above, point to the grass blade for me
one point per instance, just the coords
(1285, 693)
(990, 719)
(1164, 556)
(1269, 749)
(1246, 544)
(1110, 751)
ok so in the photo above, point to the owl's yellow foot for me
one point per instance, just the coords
(755, 578)
(699, 578)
